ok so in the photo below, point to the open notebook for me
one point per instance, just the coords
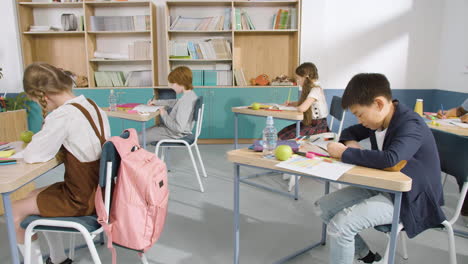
(146, 108)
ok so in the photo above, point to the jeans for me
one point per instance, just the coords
(347, 212)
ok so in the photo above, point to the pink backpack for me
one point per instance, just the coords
(139, 202)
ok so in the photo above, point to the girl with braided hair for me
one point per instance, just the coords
(312, 104)
(77, 128)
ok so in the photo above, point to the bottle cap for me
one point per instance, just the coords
(112, 91)
(269, 120)
(419, 100)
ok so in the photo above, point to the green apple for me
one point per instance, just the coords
(283, 152)
(26, 136)
(255, 106)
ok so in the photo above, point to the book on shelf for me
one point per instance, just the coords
(139, 79)
(120, 23)
(201, 23)
(285, 19)
(245, 20)
(109, 78)
(237, 14)
(215, 48)
(140, 50)
(109, 55)
(239, 77)
(38, 28)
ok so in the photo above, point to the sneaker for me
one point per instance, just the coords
(377, 259)
(67, 261)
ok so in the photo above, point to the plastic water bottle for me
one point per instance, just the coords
(269, 138)
(112, 101)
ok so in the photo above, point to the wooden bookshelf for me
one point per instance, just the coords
(263, 50)
(74, 50)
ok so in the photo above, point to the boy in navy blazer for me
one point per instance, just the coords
(401, 140)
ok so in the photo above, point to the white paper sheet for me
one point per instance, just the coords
(316, 167)
(146, 108)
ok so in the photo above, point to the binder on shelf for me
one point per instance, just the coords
(197, 77)
(210, 78)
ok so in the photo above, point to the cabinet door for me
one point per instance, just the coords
(133, 95)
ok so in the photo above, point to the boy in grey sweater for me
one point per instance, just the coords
(176, 114)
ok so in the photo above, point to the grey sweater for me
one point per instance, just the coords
(180, 118)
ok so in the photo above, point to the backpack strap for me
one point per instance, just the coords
(91, 122)
(99, 116)
(103, 219)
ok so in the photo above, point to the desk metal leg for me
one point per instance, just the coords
(393, 234)
(236, 123)
(236, 213)
(143, 133)
(298, 130)
(10, 228)
(296, 188)
(324, 226)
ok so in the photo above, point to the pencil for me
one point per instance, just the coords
(289, 95)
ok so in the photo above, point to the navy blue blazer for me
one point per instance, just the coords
(407, 138)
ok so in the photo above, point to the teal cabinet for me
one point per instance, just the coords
(218, 120)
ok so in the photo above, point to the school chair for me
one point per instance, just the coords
(88, 225)
(188, 141)
(453, 156)
(338, 113)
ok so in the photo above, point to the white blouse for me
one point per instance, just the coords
(319, 107)
(67, 126)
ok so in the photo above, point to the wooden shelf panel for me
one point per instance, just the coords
(267, 31)
(200, 31)
(119, 32)
(118, 3)
(54, 33)
(51, 5)
(265, 3)
(199, 3)
(117, 61)
(200, 60)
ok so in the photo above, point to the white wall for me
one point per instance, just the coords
(418, 44)
(399, 38)
(9, 49)
(453, 66)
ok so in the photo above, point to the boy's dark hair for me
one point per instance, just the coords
(363, 88)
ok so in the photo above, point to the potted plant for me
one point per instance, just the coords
(13, 115)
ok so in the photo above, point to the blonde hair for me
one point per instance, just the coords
(41, 79)
(181, 75)
(309, 71)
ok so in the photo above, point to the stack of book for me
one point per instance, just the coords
(140, 50)
(120, 23)
(243, 21)
(217, 48)
(139, 79)
(212, 77)
(34, 28)
(109, 78)
(285, 19)
(203, 23)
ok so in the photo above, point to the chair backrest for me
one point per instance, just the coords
(108, 168)
(453, 156)
(336, 111)
(198, 115)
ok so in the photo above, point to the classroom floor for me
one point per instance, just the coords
(199, 225)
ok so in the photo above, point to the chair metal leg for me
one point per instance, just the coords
(387, 249)
(91, 247)
(404, 248)
(143, 258)
(451, 242)
(201, 161)
(71, 252)
(195, 168)
(27, 246)
(445, 180)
